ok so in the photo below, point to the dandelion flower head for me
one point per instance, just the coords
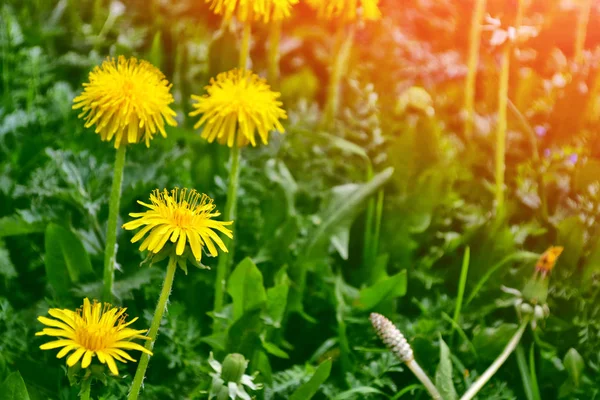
(347, 10)
(241, 102)
(246, 10)
(127, 100)
(95, 329)
(182, 217)
(547, 260)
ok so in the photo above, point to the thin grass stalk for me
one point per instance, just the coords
(340, 64)
(224, 263)
(582, 24)
(274, 54)
(485, 377)
(368, 223)
(110, 251)
(524, 371)
(377, 227)
(501, 129)
(464, 271)
(474, 44)
(245, 46)
(161, 306)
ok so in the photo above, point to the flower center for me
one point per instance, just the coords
(93, 336)
(181, 217)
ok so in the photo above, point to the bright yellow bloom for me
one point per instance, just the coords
(246, 10)
(238, 101)
(347, 10)
(182, 216)
(92, 330)
(128, 100)
(548, 259)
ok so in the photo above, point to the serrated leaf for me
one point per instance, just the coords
(443, 374)
(310, 388)
(574, 365)
(14, 388)
(66, 259)
(245, 286)
(277, 300)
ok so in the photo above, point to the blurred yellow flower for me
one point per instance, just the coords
(182, 216)
(126, 99)
(347, 10)
(95, 329)
(246, 10)
(548, 259)
(238, 101)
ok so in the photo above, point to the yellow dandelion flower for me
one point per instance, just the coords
(238, 101)
(548, 259)
(246, 10)
(181, 216)
(95, 329)
(127, 100)
(347, 10)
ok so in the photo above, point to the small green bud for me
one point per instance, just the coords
(526, 308)
(234, 367)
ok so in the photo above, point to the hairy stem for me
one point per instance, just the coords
(228, 215)
(158, 314)
(110, 251)
(485, 377)
(474, 42)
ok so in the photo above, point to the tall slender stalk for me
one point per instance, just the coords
(474, 42)
(86, 389)
(110, 251)
(377, 227)
(501, 128)
(274, 55)
(485, 377)
(228, 215)
(345, 40)
(245, 46)
(582, 23)
(158, 314)
(422, 376)
(368, 238)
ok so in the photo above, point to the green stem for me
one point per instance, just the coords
(86, 388)
(245, 46)
(474, 42)
(422, 376)
(274, 55)
(368, 223)
(339, 69)
(158, 314)
(228, 215)
(110, 250)
(501, 129)
(582, 23)
(485, 377)
(377, 227)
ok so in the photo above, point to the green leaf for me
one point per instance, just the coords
(391, 287)
(14, 225)
(571, 235)
(310, 388)
(443, 374)
(277, 300)
(344, 205)
(574, 365)
(490, 341)
(273, 349)
(66, 259)
(7, 268)
(245, 286)
(14, 388)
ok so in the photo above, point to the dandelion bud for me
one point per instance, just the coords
(526, 308)
(234, 367)
(391, 337)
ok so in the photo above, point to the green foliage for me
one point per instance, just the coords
(14, 388)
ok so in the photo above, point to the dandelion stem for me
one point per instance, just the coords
(274, 55)
(86, 388)
(110, 250)
(422, 376)
(582, 23)
(158, 314)
(340, 65)
(228, 215)
(501, 129)
(485, 377)
(474, 42)
(245, 46)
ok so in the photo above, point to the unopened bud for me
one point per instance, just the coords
(234, 367)
(391, 337)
